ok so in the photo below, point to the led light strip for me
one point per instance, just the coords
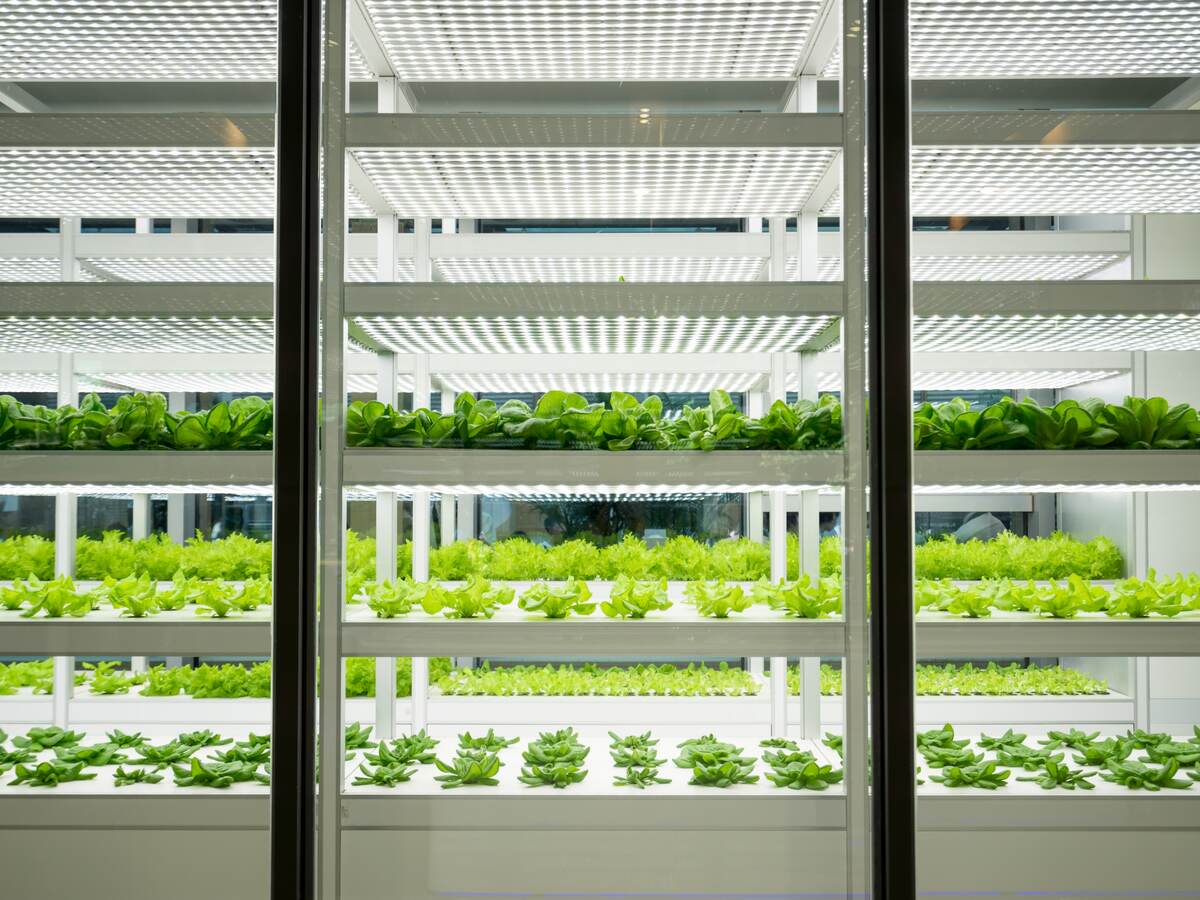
(600, 382)
(91, 490)
(553, 183)
(119, 335)
(666, 334)
(1056, 333)
(1008, 267)
(572, 490)
(1051, 488)
(246, 269)
(102, 40)
(618, 40)
(605, 269)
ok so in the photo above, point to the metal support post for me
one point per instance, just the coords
(177, 518)
(1139, 537)
(777, 390)
(422, 261)
(66, 528)
(889, 363)
(387, 537)
(778, 262)
(420, 546)
(447, 503)
(68, 236)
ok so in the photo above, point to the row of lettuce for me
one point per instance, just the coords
(562, 419)
(1068, 760)
(626, 599)
(679, 558)
(228, 681)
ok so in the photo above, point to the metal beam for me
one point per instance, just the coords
(20, 100)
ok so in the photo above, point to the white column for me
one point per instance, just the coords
(420, 545)
(422, 232)
(66, 527)
(1139, 525)
(176, 506)
(777, 389)
(447, 505)
(142, 523)
(809, 564)
(386, 538)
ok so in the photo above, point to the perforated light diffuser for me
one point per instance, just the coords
(30, 268)
(19, 489)
(116, 40)
(103, 334)
(252, 269)
(1057, 333)
(1014, 267)
(615, 40)
(608, 269)
(179, 182)
(601, 382)
(1083, 38)
(989, 379)
(1055, 179)
(665, 334)
(578, 182)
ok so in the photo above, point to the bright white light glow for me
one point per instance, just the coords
(1012, 267)
(602, 382)
(1051, 488)
(617, 40)
(550, 183)
(989, 379)
(178, 182)
(118, 335)
(246, 269)
(115, 40)
(1057, 333)
(665, 334)
(102, 490)
(607, 269)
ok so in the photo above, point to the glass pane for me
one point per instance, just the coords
(1056, 621)
(594, 465)
(136, 368)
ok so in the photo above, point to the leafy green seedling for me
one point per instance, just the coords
(941, 757)
(834, 743)
(982, 775)
(558, 775)
(940, 737)
(643, 757)
(640, 778)
(58, 598)
(724, 774)
(1026, 758)
(50, 774)
(491, 742)
(464, 770)
(383, 776)
(161, 756)
(107, 679)
(217, 774)
(558, 601)
(1073, 739)
(782, 758)
(257, 754)
(202, 739)
(136, 597)
(803, 599)
(358, 736)
(10, 758)
(1009, 739)
(1101, 752)
(1139, 776)
(125, 777)
(1187, 753)
(777, 743)
(39, 739)
(96, 755)
(717, 600)
(391, 599)
(476, 599)
(1057, 775)
(803, 775)
(630, 599)
(1144, 740)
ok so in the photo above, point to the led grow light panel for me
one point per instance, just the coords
(180, 182)
(560, 268)
(248, 269)
(1057, 333)
(30, 268)
(203, 382)
(602, 382)
(558, 334)
(989, 379)
(20, 489)
(1014, 267)
(1086, 38)
(1055, 179)
(111, 40)
(618, 40)
(582, 182)
(102, 334)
